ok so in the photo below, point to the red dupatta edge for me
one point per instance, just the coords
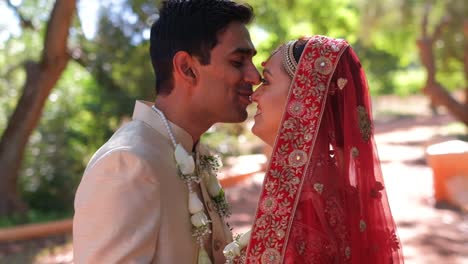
(293, 148)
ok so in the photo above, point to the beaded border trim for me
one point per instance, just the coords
(289, 62)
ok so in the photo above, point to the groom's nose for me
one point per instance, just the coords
(252, 76)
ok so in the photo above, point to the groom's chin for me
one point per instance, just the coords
(237, 117)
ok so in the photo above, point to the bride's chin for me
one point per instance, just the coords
(256, 130)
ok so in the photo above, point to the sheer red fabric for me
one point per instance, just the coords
(323, 199)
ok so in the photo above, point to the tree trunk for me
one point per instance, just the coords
(41, 77)
(437, 93)
(465, 59)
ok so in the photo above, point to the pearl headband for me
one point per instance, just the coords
(289, 63)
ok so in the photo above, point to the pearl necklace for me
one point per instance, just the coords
(185, 164)
(166, 124)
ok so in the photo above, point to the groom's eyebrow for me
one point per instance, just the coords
(245, 51)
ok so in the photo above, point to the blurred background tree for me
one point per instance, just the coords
(109, 68)
(40, 76)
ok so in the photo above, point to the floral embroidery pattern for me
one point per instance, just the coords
(293, 149)
(375, 191)
(393, 240)
(296, 108)
(297, 158)
(348, 252)
(271, 256)
(310, 246)
(355, 152)
(362, 225)
(365, 125)
(342, 83)
(334, 213)
(268, 205)
(324, 65)
(318, 187)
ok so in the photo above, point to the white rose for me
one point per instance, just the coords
(244, 239)
(195, 205)
(213, 186)
(184, 160)
(199, 219)
(203, 257)
(232, 249)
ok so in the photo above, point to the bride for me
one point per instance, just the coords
(323, 199)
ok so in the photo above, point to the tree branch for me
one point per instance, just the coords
(440, 96)
(25, 23)
(440, 27)
(437, 93)
(40, 80)
(425, 20)
(465, 59)
(80, 56)
(56, 37)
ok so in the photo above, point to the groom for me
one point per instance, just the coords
(132, 205)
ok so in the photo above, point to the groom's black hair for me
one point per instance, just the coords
(192, 26)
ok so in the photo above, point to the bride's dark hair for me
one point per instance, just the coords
(299, 48)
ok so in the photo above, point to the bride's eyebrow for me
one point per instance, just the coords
(267, 71)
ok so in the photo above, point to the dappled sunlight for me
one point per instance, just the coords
(108, 66)
(428, 234)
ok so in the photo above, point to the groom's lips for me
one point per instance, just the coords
(245, 94)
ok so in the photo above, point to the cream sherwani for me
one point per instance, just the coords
(132, 207)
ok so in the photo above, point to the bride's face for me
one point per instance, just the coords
(270, 98)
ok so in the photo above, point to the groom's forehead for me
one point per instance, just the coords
(235, 39)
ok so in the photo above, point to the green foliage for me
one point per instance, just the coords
(409, 81)
(15, 51)
(394, 27)
(33, 216)
(280, 21)
(380, 66)
(59, 147)
(224, 138)
(91, 102)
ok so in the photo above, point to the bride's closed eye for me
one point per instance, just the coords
(264, 81)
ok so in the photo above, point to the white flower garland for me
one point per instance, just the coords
(208, 167)
(233, 249)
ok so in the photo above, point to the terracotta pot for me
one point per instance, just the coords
(448, 160)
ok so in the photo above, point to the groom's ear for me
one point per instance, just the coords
(183, 64)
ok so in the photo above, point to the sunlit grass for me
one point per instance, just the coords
(40, 253)
(457, 129)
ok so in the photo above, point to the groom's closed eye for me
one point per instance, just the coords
(237, 64)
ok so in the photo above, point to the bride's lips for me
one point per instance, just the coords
(259, 111)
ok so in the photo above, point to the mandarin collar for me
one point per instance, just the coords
(143, 112)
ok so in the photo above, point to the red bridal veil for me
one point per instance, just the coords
(323, 198)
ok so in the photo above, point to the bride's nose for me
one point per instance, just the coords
(256, 94)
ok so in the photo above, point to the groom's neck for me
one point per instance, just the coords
(184, 115)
